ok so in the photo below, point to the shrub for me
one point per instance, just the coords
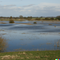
(47, 18)
(52, 18)
(29, 17)
(2, 44)
(35, 22)
(58, 17)
(25, 18)
(11, 21)
(21, 17)
(37, 18)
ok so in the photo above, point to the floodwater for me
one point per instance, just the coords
(21, 37)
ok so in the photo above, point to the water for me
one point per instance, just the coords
(41, 36)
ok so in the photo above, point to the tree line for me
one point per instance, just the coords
(30, 17)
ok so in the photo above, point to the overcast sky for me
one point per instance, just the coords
(29, 8)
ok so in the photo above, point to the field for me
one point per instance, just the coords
(31, 55)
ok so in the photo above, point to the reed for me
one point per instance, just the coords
(2, 44)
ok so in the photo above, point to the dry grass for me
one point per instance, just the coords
(25, 23)
(27, 57)
(2, 44)
(1, 30)
(4, 34)
(3, 23)
(22, 58)
(54, 26)
(50, 24)
(24, 53)
(23, 33)
(10, 57)
(37, 57)
(46, 56)
(59, 33)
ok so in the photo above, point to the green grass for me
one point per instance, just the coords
(31, 55)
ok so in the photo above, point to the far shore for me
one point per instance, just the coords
(28, 20)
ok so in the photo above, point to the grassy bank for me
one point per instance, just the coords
(31, 55)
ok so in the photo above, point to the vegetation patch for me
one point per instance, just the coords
(11, 20)
(38, 18)
(3, 23)
(23, 33)
(2, 44)
(10, 57)
(54, 26)
(58, 17)
(1, 30)
(50, 24)
(35, 22)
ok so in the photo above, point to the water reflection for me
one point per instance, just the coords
(31, 37)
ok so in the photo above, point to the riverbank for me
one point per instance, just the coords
(31, 55)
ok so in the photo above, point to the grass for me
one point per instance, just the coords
(31, 55)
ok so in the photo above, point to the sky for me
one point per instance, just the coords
(35, 8)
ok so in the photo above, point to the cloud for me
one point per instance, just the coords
(42, 9)
(8, 5)
(29, 5)
(0, 1)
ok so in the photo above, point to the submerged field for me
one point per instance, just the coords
(27, 36)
